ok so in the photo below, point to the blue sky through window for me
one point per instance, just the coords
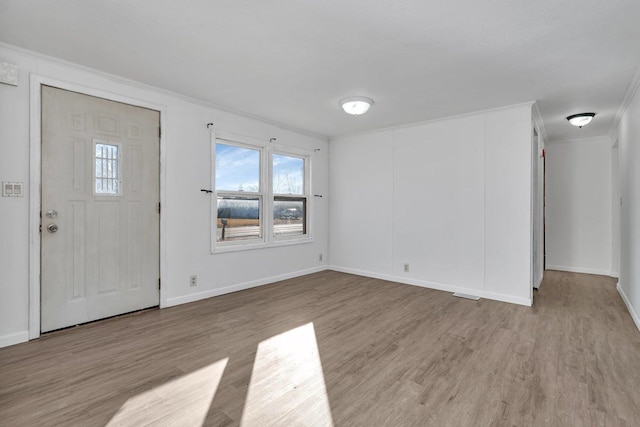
(288, 174)
(237, 168)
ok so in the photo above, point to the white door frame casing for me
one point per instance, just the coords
(35, 162)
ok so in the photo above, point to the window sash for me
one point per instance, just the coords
(303, 186)
(261, 154)
(241, 223)
(289, 219)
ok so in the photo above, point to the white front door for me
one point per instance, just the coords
(100, 223)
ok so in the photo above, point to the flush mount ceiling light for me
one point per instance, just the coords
(581, 119)
(356, 105)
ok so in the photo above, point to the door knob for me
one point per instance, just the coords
(52, 228)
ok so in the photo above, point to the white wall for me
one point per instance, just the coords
(537, 177)
(628, 134)
(365, 165)
(186, 210)
(615, 213)
(451, 198)
(578, 209)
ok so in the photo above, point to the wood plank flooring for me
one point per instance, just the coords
(343, 350)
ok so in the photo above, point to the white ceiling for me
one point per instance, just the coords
(291, 61)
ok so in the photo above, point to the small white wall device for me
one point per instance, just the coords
(8, 74)
(12, 189)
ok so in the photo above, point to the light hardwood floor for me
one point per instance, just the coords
(337, 349)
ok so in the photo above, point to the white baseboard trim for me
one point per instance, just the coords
(615, 274)
(585, 270)
(12, 339)
(240, 286)
(433, 285)
(632, 312)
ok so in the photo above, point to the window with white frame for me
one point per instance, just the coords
(261, 194)
(289, 198)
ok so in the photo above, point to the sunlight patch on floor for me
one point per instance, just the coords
(287, 382)
(182, 401)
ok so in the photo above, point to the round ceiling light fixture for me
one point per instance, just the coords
(356, 105)
(581, 119)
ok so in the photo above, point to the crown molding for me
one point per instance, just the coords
(430, 121)
(603, 138)
(140, 85)
(537, 118)
(632, 89)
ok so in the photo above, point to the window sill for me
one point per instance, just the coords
(222, 248)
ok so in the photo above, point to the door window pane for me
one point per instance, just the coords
(107, 172)
(238, 218)
(289, 216)
(237, 168)
(288, 174)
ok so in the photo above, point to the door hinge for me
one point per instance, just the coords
(158, 283)
(159, 132)
(158, 207)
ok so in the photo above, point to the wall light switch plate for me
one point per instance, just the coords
(7, 189)
(8, 73)
(17, 189)
(12, 189)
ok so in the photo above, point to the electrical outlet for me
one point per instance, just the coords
(193, 280)
(406, 267)
(320, 257)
